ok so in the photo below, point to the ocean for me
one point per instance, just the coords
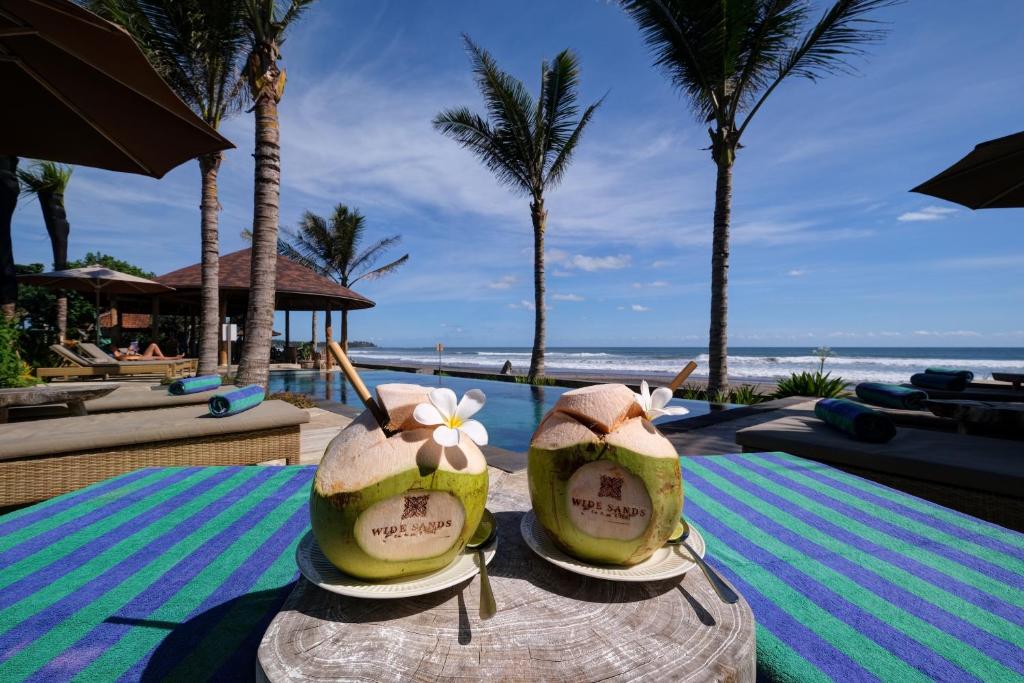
(856, 364)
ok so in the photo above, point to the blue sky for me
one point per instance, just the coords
(828, 244)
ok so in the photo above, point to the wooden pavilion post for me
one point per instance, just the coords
(328, 336)
(154, 319)
(222, 356)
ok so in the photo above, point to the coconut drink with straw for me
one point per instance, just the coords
(402, 488)
(604, 483)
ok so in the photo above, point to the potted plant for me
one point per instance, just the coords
(306, 356)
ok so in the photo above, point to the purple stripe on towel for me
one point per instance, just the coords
(21, 518)
(887, 637)
(895, 507)
(106, 634)
(50, 536)
(950, 552)
(996, 648)
(42, 621)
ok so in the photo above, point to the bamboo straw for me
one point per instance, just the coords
(378, 412)
(681, 377)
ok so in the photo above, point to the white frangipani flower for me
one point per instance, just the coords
(451, 417)
(655, 405)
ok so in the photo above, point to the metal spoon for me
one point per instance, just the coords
(678, 537)
(485, 532)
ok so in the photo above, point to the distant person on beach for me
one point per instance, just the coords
(152, 351)
(506, 369)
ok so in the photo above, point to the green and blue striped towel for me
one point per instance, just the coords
(236, 401)
(891, 395)
(194, 385)
(855, 419)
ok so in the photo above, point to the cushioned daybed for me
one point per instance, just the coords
(981, 476)
(44, 458)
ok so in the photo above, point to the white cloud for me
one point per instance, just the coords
(523, 304)
(594, 263)
(946, 333)
(567, 297)
(655, 283)
(796, 272)
(660, 264)
(638, 308)
(928, 213)
(503, 282)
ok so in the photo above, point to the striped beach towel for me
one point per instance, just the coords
(891, 395)
(853, 581)
(855, 419)
(965, 374)
(160, 573)
(194, 385)
(236, 401)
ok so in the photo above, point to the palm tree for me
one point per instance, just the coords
(9, 191)
(528, 145)
(728, 57)
(48, 181)
(266, 22)
(197, 46)
(333, 248)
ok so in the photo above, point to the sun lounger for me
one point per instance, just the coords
(43, 459)
(975, 391)
(76, 365)
(1016, 379)
(129, 396)
(978, 475)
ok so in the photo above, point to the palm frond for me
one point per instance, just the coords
(844, 31)
(475, 134)
(561, 161)
(382, 271)
(369, 256)
(559, 92)
(767, 37)
(45, 176)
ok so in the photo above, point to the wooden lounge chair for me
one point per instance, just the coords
(978, 475)
(128, 396)
(76, 365)
(45, 458)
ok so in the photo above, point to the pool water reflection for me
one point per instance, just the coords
(511, 414)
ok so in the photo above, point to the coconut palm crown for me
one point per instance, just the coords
(528, 144)
(197, 46)
(727, 57)
(266, 23)
(333, 247)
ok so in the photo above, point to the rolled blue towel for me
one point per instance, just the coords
(194, 385)
(891, 395)
(966, 374)
(935, 380)
(855, 419)
(237, 401)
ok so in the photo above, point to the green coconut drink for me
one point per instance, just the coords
(604, 483)
(383, 506)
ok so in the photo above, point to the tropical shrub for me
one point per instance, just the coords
(297, 400)
(14, 372)
(810, 384)
(745, 394)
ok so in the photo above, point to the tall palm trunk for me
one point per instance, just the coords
(55, 218)
(254, 365)
(209, 328)
(540, 220)
(312, 338)
(9, 188)
(718, 374)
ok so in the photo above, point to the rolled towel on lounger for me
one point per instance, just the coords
(194, 385)
(237, 401)
(934, 380)
(855, 419)
(966, 374)
(891, 395)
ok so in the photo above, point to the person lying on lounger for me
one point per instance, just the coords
(152, 351)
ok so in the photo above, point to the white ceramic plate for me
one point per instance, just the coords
(666, 562)
(319, 570)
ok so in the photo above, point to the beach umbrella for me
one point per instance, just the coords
(78, 90)
(990, 177)
(96, 279)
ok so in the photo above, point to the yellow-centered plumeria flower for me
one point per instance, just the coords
(656, 404)
(453, 418)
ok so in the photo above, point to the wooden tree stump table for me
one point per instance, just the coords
(551, 625)
(74, 397)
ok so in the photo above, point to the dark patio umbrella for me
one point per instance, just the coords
(78, 90)
(95, 279)
(990, 177)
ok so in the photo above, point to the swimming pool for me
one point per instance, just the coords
(511, 414)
